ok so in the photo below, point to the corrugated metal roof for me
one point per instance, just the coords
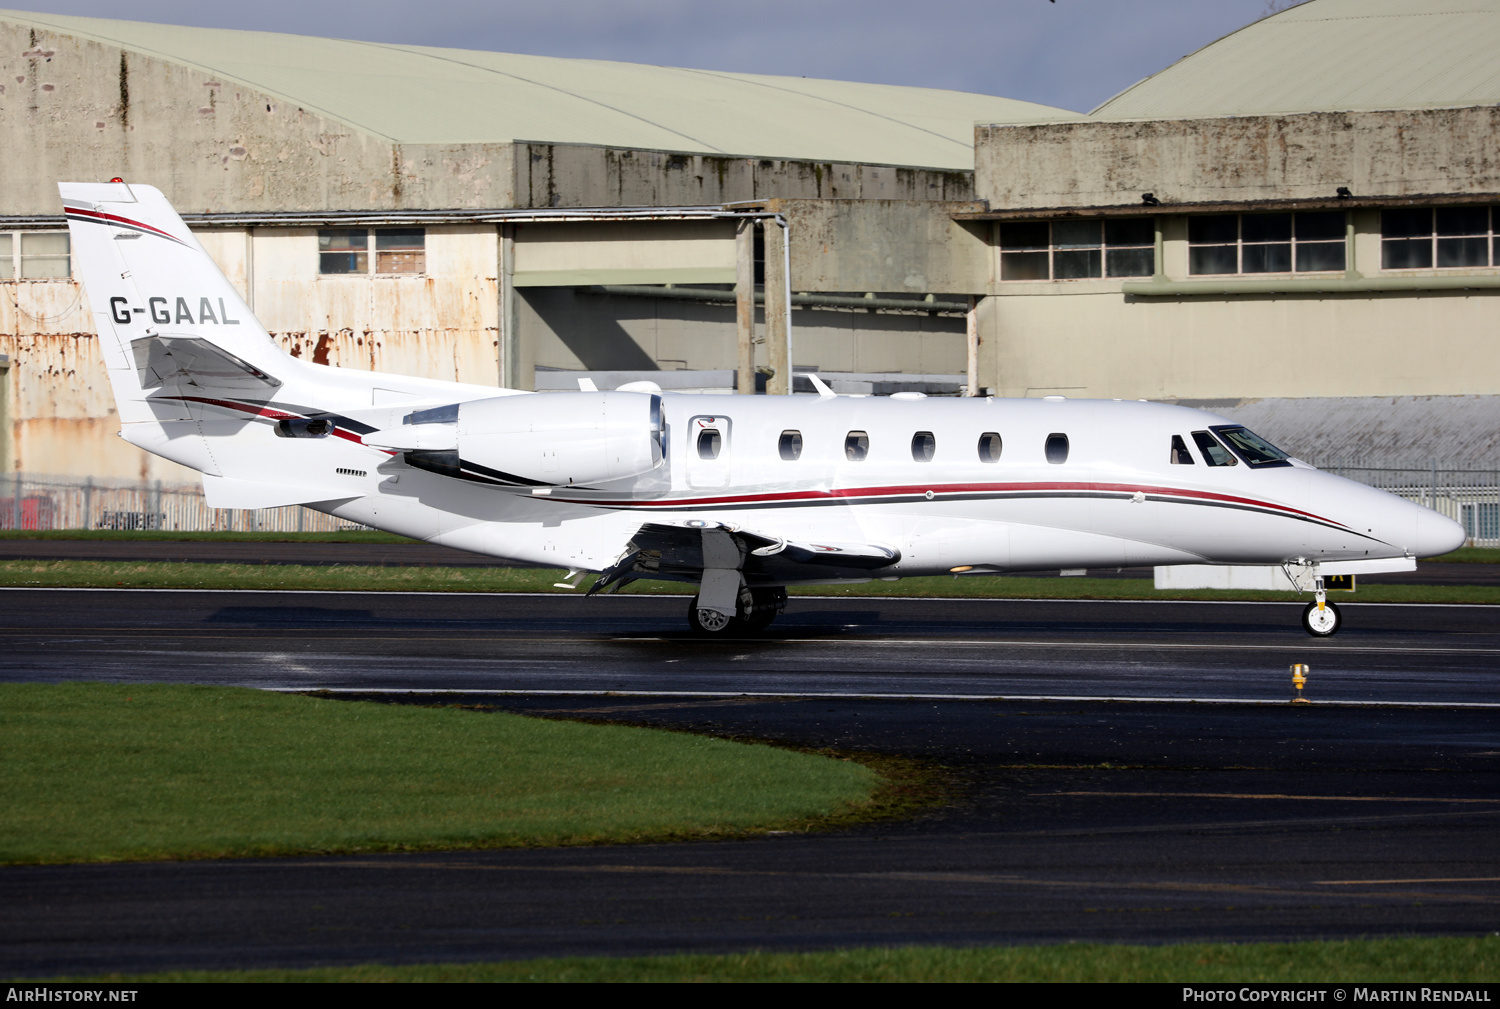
(1332, 55)
(417, 94)
(1462, 432)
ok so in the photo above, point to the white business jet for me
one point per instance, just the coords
(740, 495)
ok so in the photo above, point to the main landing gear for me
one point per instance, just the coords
(1321, 618)
(754, 611)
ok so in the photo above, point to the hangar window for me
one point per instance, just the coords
(1077, 250)
(989, 447)
(347, 250)
(856, 446)
(923, 446)
(1266, 243)
(44, 255)
(790, 445)
(1449, 238)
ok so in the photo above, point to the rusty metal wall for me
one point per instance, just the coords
(438, 325)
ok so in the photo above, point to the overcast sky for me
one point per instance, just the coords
(1071, 53)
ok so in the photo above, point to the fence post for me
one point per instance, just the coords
(15, 505)
(88, 503)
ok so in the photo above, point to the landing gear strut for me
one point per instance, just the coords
(1321, 618)
(754, 611)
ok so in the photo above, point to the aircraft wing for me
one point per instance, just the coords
(684, 552)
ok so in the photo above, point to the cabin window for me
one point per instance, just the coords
(1213, 453)
(856, 446)
(397, 250)
(989, 447)
(1077, 250)
(1180, 454)
(1446, 237)
(1266, 243)
(923, 445)
(1057, 449)
(1252, 448)
(709, 443)
(790, 445)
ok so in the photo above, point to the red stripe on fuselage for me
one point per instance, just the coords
(269, 414)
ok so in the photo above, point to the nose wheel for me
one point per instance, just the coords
(1322, 619)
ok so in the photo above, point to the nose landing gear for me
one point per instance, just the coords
(1321, 618)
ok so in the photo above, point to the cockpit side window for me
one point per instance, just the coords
(1251, 447)
(1180, 454)
(1213, 453)
(856, 446)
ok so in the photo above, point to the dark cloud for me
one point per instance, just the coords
(1072, 53)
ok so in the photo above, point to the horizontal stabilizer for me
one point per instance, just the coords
(191, 360)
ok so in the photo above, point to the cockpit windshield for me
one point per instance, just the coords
(1251, 447)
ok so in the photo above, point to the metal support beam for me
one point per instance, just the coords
(509, 350)
(778, 310)
(971, 329)
(744, 304)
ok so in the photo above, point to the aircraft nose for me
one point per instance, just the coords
(1436, 534)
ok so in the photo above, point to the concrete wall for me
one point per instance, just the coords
(92, 111)
(576, 175)
(624, 252)
(1091, 339)
(885, 245)
(580, 329)
(1308, 155)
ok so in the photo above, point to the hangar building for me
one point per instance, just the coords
(1297, 222)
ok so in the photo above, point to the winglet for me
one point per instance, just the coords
(823, 391)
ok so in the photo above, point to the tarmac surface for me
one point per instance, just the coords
(1199, 806)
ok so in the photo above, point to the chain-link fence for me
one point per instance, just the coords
(31, 501)
(1471, 497)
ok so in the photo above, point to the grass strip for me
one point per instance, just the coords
(99, 772)
(352, 577)
(164, 536)
(1462, 960)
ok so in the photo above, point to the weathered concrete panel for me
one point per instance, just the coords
(1207, 347)
(575, 175)
(568, 328)
(885, 245)
(624, 252)
(1391, 153)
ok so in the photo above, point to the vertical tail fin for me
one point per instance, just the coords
(168, 320)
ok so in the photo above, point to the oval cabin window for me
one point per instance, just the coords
(709, 443)
(989, 447)
(856, 446)
(923, 446)
(790, 445)
(1057, 449)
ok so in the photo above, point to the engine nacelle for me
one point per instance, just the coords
(550, 439)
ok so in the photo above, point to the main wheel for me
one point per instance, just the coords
(710, 622)
(764, 605)
(1322, 623)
